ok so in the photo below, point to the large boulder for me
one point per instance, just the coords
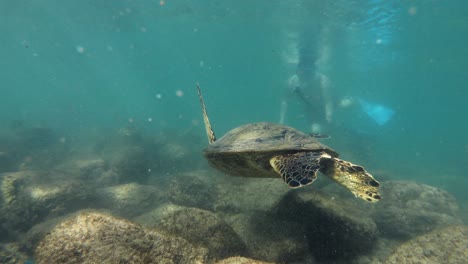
(128, 200)
(304, 226)
(335, 228)
(28, 197)
(447, 245)
(409, 209)
(199, 227)
(35, 234)
(100, 238)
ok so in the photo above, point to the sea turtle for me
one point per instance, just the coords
(269, 150)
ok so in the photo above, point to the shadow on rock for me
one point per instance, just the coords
(334, 228)
(269, 238)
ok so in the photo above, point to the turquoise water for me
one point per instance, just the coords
(89, 68)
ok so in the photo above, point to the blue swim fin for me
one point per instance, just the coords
(377, 112)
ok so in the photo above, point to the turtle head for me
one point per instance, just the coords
(353, 177)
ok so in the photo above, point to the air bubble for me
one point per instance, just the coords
(80, 49)
(412, 11)
(179, 93)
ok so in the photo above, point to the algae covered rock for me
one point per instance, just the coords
(335, 228)
(35, 234)
(410, 209)
(448, 245)
(31, 196)
(203, 228)
(241, 260)
(129, 199)
(100, 238)
(191, 189)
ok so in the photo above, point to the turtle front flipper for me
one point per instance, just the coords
(299, 169)
(354, 177)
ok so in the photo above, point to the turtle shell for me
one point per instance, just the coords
(246, 150)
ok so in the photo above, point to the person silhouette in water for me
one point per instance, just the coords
(311, 83)
(315, 46)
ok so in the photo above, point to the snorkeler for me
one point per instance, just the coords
(310, 82)
(312, 56)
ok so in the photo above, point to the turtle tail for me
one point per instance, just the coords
(209, 130)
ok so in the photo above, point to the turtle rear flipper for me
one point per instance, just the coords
(209, 130)
(354, 177)
(299, 169)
